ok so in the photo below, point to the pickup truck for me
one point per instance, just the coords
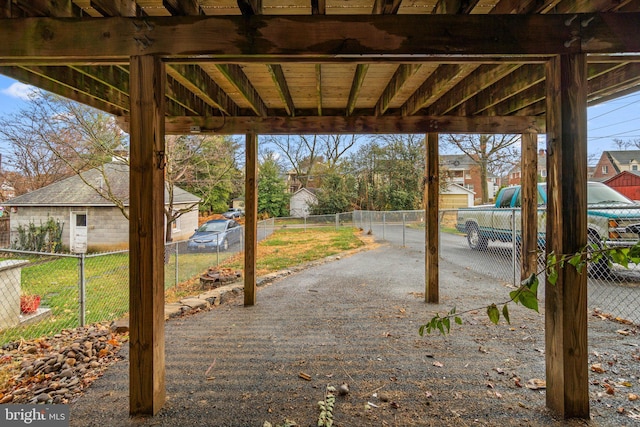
(613, 220)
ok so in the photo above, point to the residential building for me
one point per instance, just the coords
(514, 176)
(463, 170)
(611, 163)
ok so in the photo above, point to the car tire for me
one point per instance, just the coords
(476, 241)
(601, 269)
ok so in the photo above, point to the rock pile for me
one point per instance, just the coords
(56, 369)
(216, 277)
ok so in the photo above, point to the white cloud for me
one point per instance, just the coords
(20, 91)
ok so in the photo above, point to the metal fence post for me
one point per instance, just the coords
(82, 284)
(217, 249)
(337, 221)
(404, 241)
(384, 223)
(305, 223)
(514, 263)
(176, 246)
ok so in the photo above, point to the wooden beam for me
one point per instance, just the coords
(182, 96)
(183, 7)
(398, 80)
(444, 78)
(277, 74)
(479, 79)
(239, 79)
(354, 124)
(529, 209)
(319, 88)
(146, 237)
(115, 8)
(27, 76)
(199, 82)
(432, 225)
(251, 218)
(60, 9)
(433, 37)
(386, 7)
(566, 347)
(318, 7)
(358, 80)
(250, 7)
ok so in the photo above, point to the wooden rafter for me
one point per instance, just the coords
(319, 87)
(26, 75)
(318, 7)
(479, 79)
(250, 7)
(116, 8)
(277, 74)
(239, 79)
(182, 96)
(399, 78)
(195, 78)
(358, 80)
(443, 79)
(183, 7)
(386, 7)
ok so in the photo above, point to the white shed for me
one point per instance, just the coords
(301, 202)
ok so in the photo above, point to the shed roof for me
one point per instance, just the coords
(82, 190)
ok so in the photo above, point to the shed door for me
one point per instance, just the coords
(78, 232)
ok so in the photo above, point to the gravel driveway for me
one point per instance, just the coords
(355, 321)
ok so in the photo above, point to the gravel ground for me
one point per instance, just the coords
(355, 321)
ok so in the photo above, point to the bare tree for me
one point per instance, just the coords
(488, 152)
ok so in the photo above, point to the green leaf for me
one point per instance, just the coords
(552, 275)
(529, 300)
(421, 330)
(447, 323)
(505, 313)
(441, 328)
(515, 295)
(458, 320)
(493, 313)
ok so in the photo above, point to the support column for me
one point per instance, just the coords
(146, 237)
(529, 218)
(251, 218)
(566, 301)
(432, 229)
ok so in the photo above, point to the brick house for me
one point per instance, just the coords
(611, 163)
(90, 221)
(462, 170)
(515, 175)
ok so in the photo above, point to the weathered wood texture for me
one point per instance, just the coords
(429, 36)
(251, 218)
(529, 218)
(146, 237)
(355, 124)
(432, 224)
(566, 301)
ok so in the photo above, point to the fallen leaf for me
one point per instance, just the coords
(490, 385)
(620, 410)
(498, 370)
(624, 332)
(438, 364)
(633, 397)
(609, 389)
(457, 395)
(597, 367)
(536, 384)
(518, 384)
(498, 395)
(625, 384)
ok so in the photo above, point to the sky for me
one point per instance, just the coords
(617, 119)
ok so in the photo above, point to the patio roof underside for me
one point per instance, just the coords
(322, 66)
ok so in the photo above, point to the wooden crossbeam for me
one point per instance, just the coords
(358, 80)
(326, 37)
(398, 80)
(116, 8)
(183, 7)
(319, 88)
(353, 124)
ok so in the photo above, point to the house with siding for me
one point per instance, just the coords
(463, 170)
(612, 163)
(301, 202)
(90, 220)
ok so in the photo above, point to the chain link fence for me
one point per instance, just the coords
(612, 289)
(41, 294)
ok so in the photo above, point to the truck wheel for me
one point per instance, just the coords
(476, 241)
(602, 267)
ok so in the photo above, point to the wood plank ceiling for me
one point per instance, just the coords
(304, 88)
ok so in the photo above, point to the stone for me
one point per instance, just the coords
(44, 397)
(67, 373)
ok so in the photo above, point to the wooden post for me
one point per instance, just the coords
(251, 218)
(566, 301)
(146, 237)
(529, 218)
(432, 230)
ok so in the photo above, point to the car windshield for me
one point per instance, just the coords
(602, 194)
(212, 227)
